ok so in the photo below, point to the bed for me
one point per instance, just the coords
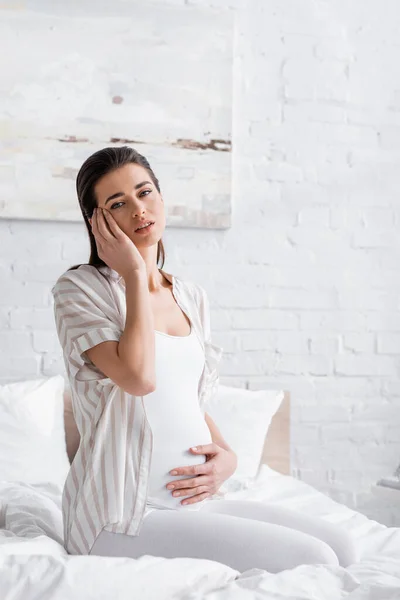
(34, 564)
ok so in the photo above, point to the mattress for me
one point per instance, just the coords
(34, 564)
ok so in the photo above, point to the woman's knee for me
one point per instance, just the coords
(341, 550)
(345, 548)
(295, 548)
(315, 551)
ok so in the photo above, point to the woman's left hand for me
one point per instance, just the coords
(207, 477)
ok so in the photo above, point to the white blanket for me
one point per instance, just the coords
(34, 564)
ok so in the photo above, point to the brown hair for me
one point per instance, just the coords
(98, 164)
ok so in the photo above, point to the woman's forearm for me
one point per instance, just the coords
(216, 435)
(136, 346)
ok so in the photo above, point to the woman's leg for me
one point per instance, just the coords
(333, 535)
(234, 541)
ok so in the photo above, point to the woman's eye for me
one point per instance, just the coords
(144, 192)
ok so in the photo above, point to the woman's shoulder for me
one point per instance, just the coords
(182, 285)
(83, 276)
(195, 292)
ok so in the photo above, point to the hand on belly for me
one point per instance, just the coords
(162, 463)
(171, 449)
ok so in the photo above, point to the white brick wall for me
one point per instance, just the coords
(305, 285)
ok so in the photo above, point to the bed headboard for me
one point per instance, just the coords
(276, 453)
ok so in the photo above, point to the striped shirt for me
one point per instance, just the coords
(107, 484)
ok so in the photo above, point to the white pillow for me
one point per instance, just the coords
(243, 418)
(32, 434)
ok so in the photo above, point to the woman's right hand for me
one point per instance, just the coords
(114, 247)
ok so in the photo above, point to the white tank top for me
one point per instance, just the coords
(174, 416)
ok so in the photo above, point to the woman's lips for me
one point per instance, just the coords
(144, 229)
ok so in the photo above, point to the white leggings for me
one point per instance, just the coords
(239, 533)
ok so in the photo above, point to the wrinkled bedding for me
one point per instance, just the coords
(34, 564)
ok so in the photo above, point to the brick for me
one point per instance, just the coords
(46, 341)
(388, 343)
(298, 45)
(380, 411)
(306, 435)
(15, 343)
(359, 342)
(234, 295)
(347, 217)
(5, 319)
(304, 365)
(315, 215)
(248, 363)
(263, 319)
(367, 299)
(19, 368)
(37, 272)
(374, 366)
(238, 382)
(298, 299)
(344, 320)
(315, 79)
(334, 48)
(375, 239)
(291, 342)
(301, 389)
(313, 112)
(309, 193)
(325, 457)
(315, 478)
(278, 171)
(323, 413)
(392, 388)
(383, 321)
(214, 3)
(257, 340)
(355, 432)
(27, 294)
(327, 345)
(31, 318)
(356, 388)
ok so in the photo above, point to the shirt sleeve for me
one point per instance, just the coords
(213, 353)
(84, 316)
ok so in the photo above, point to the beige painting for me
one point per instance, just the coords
(80, 76)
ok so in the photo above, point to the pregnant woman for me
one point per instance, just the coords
(141, 365)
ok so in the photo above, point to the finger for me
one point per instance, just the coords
(99, 240)
(206, 448)
(191, 491)
(102, 226)
(115, 230)
(95, 224)
(181, 483)
(95, 228)
(188, 470)
(197, 498)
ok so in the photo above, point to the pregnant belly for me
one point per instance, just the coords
(168, 454)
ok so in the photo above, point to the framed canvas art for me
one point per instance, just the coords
(80, 76)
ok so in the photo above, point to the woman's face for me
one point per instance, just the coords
(129, 194)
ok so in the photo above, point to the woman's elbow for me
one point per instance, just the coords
(139, 387)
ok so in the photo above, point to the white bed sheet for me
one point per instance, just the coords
(34, 564)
